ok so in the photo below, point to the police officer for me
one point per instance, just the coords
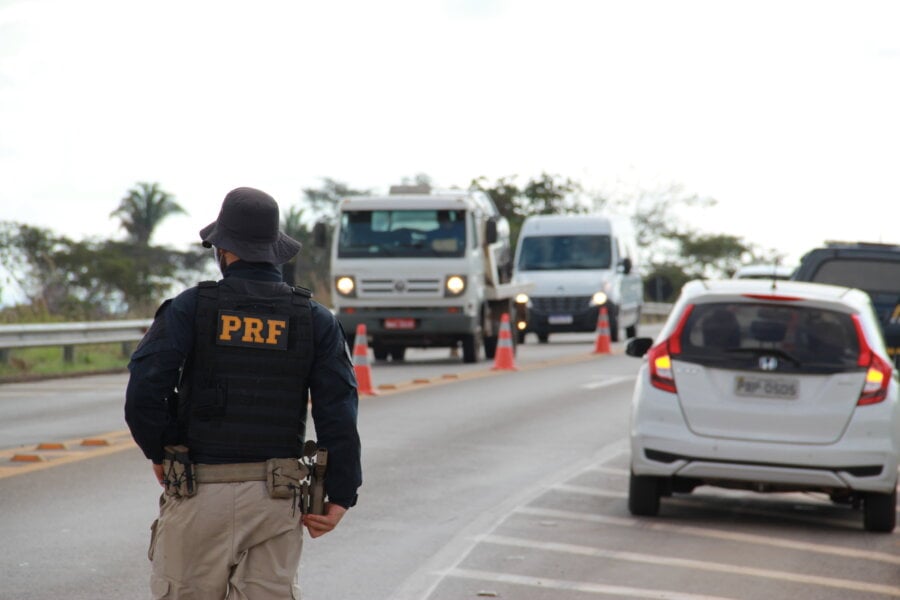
(224, 375)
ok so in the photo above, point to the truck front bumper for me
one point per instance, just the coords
(416, 327)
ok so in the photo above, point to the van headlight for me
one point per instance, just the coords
(454, 285)
(599, 299)
(345, 286)
(521, 298)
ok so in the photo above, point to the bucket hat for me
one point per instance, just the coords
(248, 226)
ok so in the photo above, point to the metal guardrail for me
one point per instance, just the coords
(34, 335)
(104, 332)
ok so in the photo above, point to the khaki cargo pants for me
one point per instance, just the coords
(230, 541)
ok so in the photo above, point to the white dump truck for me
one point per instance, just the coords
(423, 268)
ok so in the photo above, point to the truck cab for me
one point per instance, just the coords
(423, 268)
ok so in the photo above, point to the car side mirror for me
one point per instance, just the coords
(319, 235)
(637, 347)
(626, 265)
(490, 234)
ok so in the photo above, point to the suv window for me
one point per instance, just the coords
(735, 335)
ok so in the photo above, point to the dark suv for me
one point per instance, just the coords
(874, 268)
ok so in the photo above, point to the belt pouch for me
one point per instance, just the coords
(283, 477)
(179, 476)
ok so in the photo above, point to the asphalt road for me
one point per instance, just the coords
(478, 483)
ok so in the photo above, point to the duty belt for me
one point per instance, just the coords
(231, 473)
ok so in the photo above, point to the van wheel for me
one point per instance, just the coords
(880, 512)
(613, 327)
(643, 495)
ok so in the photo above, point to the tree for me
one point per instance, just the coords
(311, 267)
(546, 194)
(142, 209)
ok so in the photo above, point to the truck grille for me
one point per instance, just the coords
(570, 304)
(412, 287)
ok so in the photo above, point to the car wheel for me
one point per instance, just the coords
(880, 512)
(643, 495)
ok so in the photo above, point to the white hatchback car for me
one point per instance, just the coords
(767, 386)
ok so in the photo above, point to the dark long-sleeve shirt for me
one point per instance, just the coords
(155, 366)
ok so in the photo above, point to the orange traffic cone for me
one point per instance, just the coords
(361, 361)
(601, 346)
(503, 359)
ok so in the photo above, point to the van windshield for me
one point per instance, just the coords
(556, 252)
(403, 233)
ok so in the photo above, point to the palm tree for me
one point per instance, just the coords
(143, 209)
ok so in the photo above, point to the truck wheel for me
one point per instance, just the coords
(398, 353)
(543, 338)
(490, 347)
(880, 511)
(379, 351)
(471, 346)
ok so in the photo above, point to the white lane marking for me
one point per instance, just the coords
(607, 382)
(707, 503)
(609, 470)
(578, 586)
(700, 565)
(422, 583)
(720, 534)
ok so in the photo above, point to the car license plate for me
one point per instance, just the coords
(399, 323)
(560, 319)
(765, 387)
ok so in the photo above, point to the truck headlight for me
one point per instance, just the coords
(599, 299)
(345, 286)
(455, 285)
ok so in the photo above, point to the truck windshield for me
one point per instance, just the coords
(402, 233)
(556, 252)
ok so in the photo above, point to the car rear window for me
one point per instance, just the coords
(801, 338)
(869, 275)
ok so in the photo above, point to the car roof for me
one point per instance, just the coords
(711, 290)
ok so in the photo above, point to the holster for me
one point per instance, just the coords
(179, 476)
(284, 477)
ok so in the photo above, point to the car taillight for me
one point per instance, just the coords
(659, 357)
(878, 373)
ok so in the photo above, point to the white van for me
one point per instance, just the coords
(578, 263)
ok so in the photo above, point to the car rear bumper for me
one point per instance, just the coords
(864, 458)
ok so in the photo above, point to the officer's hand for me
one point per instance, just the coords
(321, 524)
(158, 471)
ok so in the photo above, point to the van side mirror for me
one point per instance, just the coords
(490, 234)
(320, 234)
(626, 265)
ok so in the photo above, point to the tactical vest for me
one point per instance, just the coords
(245, 389)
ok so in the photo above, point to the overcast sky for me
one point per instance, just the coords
(787, 113)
